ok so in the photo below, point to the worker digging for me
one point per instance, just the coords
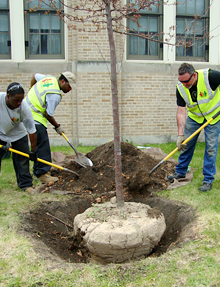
(43, 98)
(45, 95)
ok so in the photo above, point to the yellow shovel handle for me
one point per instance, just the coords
(77, 156)
(40, 160)
(185, 141)
(65, 137)
(189, 138)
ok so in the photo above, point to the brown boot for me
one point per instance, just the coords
(46, 178)
(29, 190)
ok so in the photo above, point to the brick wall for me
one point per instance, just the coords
(146, 92)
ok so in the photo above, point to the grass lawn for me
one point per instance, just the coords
(197, 263)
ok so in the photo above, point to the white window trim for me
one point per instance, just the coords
(18, 39)
(169, 20)
(16, 10)
(214, 26)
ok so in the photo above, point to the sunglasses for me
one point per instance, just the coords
(187, 81)
(14, 88)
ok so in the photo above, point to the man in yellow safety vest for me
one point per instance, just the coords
(199, 91)
(43, 98)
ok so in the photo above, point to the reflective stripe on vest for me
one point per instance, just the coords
(39, 99)
(39, 92)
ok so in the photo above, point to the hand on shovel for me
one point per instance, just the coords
(180, 140)
(33, 156)
(6, 147)
(59, 130)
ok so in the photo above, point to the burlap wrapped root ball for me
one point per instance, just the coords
(114, 234)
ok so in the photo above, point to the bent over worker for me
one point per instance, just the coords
(43, 98)
(16, 121)
(199, 91)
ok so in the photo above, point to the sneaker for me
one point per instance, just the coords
(175, 176)
(29, 190)
(46, 178)
(206, 186)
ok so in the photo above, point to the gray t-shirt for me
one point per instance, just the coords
(14, 124)
(52, 100)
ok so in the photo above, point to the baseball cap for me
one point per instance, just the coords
(70, 78)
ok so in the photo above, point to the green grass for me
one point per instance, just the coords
(197, 263)
(69, 150)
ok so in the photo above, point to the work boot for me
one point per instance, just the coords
(175, 176)
(46, 178)
(29, 190)
(205, 186)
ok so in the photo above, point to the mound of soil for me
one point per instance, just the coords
(100, 178)
(52, 222)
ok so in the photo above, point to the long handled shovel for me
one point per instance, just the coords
(185, 141)
(42, 160)
(80, 158)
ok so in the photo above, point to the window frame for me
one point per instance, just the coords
(6, 10)
(27, 35)
(206, 21)
(159, 16)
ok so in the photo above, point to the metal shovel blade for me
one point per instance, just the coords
(81, 159)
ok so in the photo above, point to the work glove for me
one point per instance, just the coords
(179, 144)
(33, 156)
(6, 147)
(59, 130)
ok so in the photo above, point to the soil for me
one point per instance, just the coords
(52, 222)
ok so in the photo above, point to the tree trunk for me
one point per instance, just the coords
(114, 89)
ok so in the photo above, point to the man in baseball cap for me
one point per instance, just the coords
(70, 78)
(44, 96)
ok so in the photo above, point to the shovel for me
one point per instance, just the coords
(80, 158)
(42, 160)
(185, 141)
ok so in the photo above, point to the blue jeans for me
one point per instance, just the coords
(211, 149)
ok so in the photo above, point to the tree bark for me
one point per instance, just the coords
(114, 89)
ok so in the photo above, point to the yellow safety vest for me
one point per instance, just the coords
(208, 101)
(37, 94)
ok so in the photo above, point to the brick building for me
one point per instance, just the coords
(33, 42)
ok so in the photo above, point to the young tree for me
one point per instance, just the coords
(109, 15)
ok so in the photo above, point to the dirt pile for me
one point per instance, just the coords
(100, 178)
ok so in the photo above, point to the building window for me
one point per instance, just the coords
(192, 28)
(44, 31)
(150, 23)
(5, 43)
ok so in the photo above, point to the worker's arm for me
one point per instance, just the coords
(57, 127)
(181, 119)
(33, 80)
(181, 122)
(52, 120)
(33, 152)
(33, 140)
